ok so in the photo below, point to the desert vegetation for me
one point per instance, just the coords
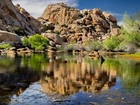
(36, 42)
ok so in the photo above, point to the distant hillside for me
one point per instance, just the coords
(15, 17)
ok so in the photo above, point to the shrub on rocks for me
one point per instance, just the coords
(36, 42)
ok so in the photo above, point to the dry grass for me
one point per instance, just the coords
(135, 57)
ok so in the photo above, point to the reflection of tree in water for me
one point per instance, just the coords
(128, 72)
(69, 76)
(15, 78)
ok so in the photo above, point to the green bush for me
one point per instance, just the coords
(36, 42)
(19, 31)
(92, 45)
(70, 46)
(112, 43)
(129, 38)
(25, 42)
(86, 13)
(4, 46)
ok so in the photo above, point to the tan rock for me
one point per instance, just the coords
(0, 22)
(97, 11)
(9, 28)
(113, 25)
(60, 13)
(115, 31)
(109, 16)
(54, 37)
(9, 37)
(99, 28)
(95, 19)
(105, 24)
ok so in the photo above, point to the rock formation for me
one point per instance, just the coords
(60, 13)
(11, 38)
(17, 17)
(73, 25)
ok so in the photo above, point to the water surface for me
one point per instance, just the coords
(66, 79)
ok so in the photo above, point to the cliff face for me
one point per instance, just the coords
(81, 26)
(15, 16)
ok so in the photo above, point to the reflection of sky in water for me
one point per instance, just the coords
(117, 85)
(31, 96)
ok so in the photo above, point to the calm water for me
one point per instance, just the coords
(66, 79)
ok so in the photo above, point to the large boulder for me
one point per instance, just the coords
(16, 16)
(0, 22)
(60, 13)
(109, 16)
(53, 37)
(8, 37)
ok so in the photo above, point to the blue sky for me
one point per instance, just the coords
(115, 7)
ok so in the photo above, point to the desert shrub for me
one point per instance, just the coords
(19, 31)
(49, 27)
(112, 43)
(4, 46)
(86, 13)
(64, 25)
(130, 32)
(70, 46)
(56, 32)
(92, 45)
(25, 42)
(36, 42)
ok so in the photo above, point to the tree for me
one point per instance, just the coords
(36, 42)
(130, 30)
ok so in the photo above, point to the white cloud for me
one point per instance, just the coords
(115, 14)
(36, 7)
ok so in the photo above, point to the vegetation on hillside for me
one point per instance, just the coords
(4, 46)
(129, 38)
(19, 31)
(36, 42)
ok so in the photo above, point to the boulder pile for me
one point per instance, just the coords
(74, 25)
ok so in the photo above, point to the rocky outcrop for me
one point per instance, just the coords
(17, 17)
(11, 38)
(54, 37)
(60, 13)
(74, 25)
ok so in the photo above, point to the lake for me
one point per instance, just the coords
(68, 79)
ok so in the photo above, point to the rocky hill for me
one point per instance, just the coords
(12, 17)
(72, 24)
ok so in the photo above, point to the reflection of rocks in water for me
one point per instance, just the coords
(69, 77)
(17, 81)
(8, 64)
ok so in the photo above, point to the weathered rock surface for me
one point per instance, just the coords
(15, 16)
(54, 37)
(11, 38)
(73, 25)
(60, 13)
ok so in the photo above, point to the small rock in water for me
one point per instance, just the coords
(110, 98)
(122, 98)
